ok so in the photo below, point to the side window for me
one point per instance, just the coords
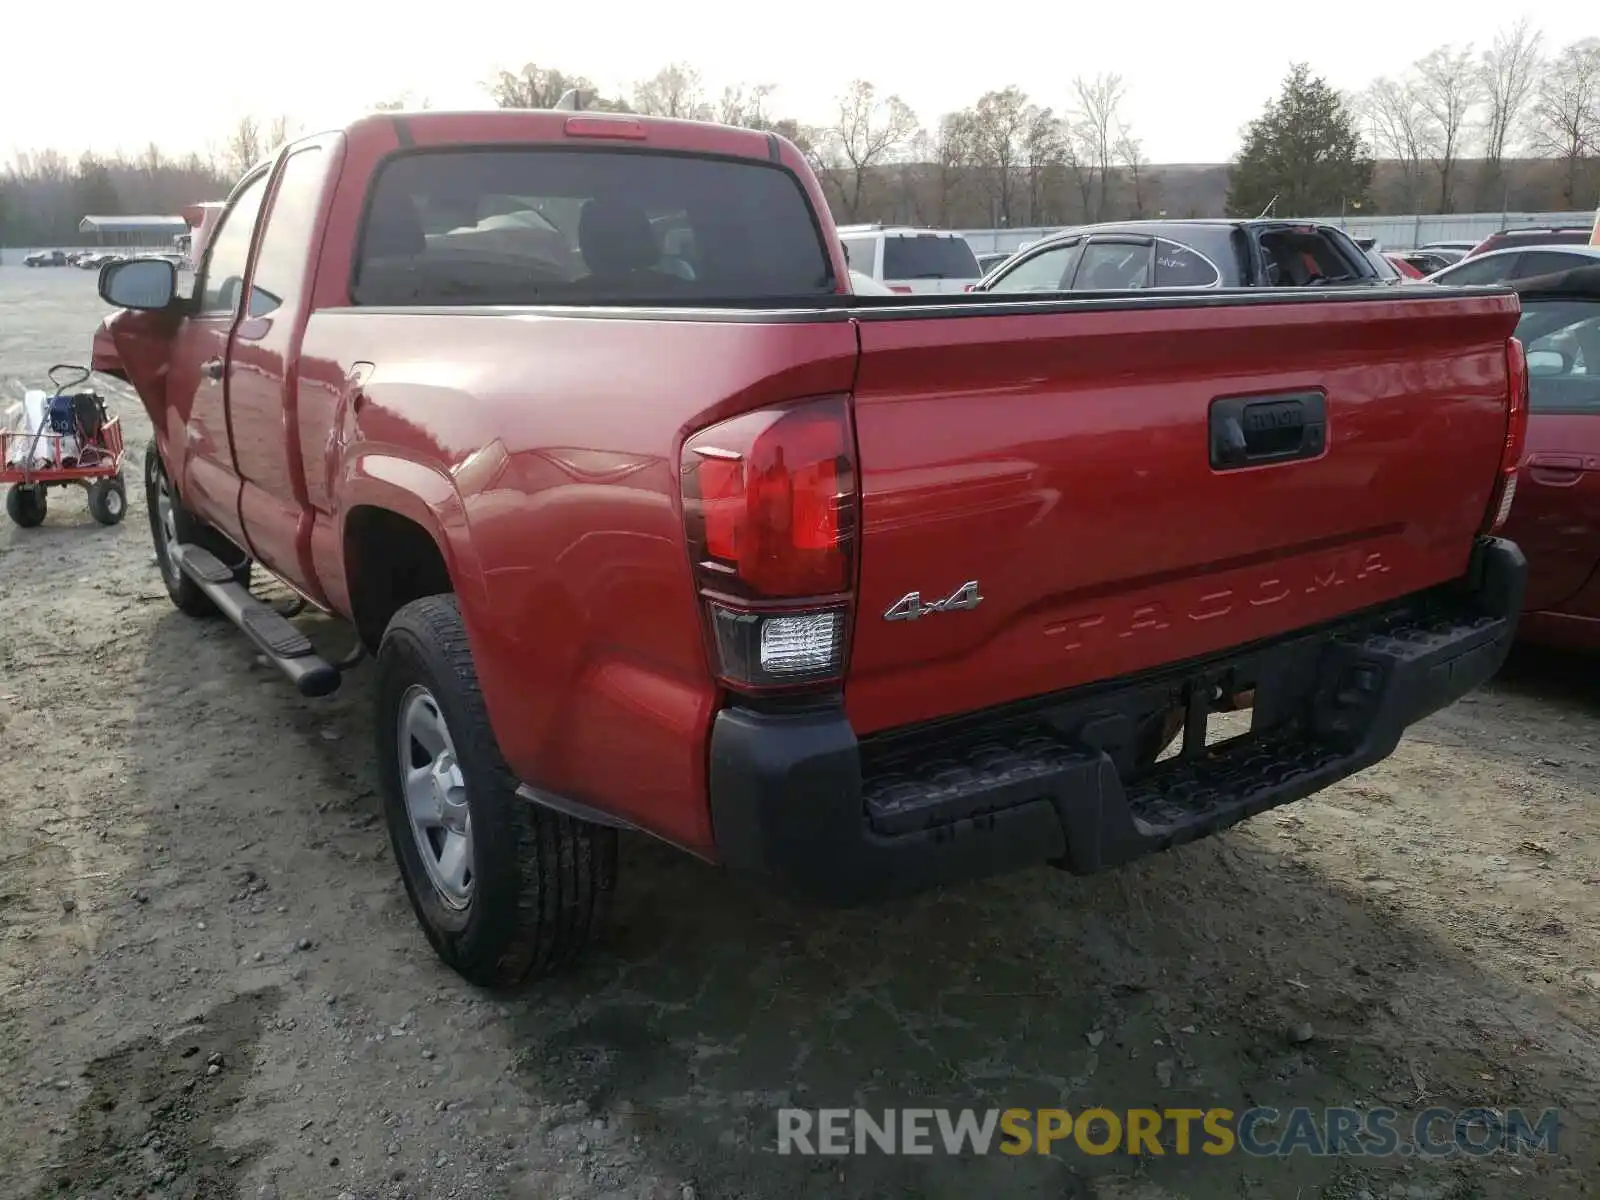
(863, 253)
(1479, 271)
(229, 252)
(1048, 271)
(1546, 262)
(286, 242)
(1113, 267)
(1179, 266)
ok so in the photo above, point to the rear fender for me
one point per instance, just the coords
(424, 495)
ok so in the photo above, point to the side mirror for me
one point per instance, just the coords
(142, 283)
(1549, 362)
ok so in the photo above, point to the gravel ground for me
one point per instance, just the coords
(211, 983)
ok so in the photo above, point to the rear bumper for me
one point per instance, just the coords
(799, 801)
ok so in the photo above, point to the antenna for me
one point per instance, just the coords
(571, 101)
(1268, 209)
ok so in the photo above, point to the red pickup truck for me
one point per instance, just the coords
(650, 524)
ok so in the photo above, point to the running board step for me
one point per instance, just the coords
(289, 649)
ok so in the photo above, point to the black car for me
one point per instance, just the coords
(45, 258)
(1190, 254)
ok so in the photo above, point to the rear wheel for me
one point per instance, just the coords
(172, 525)
(26, 505)
(504, 890)
(108, 500)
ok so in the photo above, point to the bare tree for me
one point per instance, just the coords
(999, 123)
(868, 131)
(536, 87)
(674, 91)
(1130, 153)
(1094, 130)
(401, 103)
(1402, 130)
(953, 150)
(746, 105)
(1508, 71)
(283, 129)
(1567, 111)
(1044, 142)
(243, 149)
(1449, 87)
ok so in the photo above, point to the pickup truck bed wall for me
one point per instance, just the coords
(1059, 492)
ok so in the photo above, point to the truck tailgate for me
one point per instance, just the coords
(1059, 457)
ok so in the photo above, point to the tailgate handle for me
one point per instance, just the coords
(1247, 431)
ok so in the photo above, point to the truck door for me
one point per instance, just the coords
(264, 365)
(197, 384)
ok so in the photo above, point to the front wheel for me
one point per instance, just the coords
(172, 525)
(26, 505)
(504, 890)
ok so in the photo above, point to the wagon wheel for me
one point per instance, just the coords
(108, 500)
(26, 504)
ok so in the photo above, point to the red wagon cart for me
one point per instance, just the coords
(70, 441)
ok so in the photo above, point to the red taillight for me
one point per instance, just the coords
(1505, 489)
(769, 504)
(903, 289)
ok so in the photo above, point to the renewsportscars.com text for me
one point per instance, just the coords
(1260, 1132)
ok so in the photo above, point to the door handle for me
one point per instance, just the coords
(212, 368)
(1249, 430)
(1555, 476)
(1555, 470)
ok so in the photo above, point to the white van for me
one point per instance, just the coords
(911, 261)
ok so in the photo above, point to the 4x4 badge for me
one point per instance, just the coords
(910, 606)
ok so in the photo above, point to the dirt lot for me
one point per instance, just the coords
(211, 984)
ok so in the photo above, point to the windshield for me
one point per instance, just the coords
(560, 226)
(928, 256)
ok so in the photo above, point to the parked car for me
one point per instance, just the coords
(45, 258)
(988, 262)
(1189, 254)
(865, 285)
(853, 595)
(1504, 266)
(1518, 239)
(912, 261)
(1423, 262)
(1555, 517)
(1404, 264)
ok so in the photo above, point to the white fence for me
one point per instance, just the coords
(1393, 232)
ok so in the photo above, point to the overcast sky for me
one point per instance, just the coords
(91, 75)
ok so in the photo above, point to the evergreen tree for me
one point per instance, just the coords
(1305, 150)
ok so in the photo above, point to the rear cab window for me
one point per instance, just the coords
(553, 225)
(928, 256)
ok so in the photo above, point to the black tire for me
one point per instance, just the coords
(185, 592)
(26, 506)
(108, 500)
(542, 882)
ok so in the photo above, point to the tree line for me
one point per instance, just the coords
(1512, 126)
